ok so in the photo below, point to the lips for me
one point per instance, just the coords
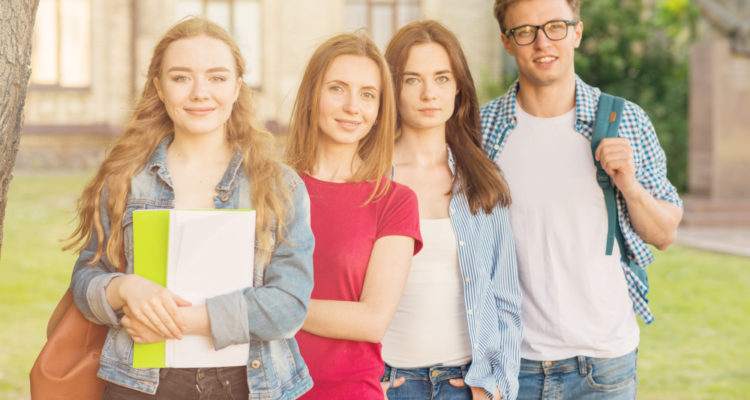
(199, 111)
(348, 124)
(545, 59)
(429, 111)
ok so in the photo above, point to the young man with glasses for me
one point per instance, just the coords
(579, 306)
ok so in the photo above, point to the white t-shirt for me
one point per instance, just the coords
(429, 326)
(575, 299)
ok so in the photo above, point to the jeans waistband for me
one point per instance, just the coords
(579, 363)
(200, 373)
(433, 374)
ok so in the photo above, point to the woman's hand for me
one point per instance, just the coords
(477, 393)
(396, 383)
(139, 332)
(148, 304)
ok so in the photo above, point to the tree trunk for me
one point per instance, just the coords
(16, 29)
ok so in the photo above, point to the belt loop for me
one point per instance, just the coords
(392, 378)
(582, 368)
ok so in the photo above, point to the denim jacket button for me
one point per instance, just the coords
(255, 364)
(225, 197)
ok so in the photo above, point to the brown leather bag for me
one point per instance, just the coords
(66, 367)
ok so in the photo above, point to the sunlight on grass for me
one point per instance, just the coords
(698, 348)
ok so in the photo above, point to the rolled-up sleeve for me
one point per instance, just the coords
(88, 282)
(277, 309)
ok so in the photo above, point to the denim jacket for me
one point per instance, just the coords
(266, 315)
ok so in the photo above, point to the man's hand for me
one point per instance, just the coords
(616, 157)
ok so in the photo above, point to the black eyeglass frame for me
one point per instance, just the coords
(511, 33)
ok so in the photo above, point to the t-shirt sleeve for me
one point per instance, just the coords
(399, 215)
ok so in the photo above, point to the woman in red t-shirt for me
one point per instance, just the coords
(366, 227)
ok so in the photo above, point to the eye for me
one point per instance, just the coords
(336, 89)
(442, 79)
(411, 81)
(524, 31)
(218, 79)
(556, 26)
(369, 95)
(180, 78)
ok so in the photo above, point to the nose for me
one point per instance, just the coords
(351, 103)
(541, 39)
(199, 90)
(428, 91)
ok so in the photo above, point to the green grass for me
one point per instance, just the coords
(698, 348)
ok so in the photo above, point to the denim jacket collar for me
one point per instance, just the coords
(157, 164)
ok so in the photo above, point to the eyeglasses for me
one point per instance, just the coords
(525, 35)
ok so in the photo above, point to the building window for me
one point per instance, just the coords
(241, 18)
(381, 18)
(61, 52)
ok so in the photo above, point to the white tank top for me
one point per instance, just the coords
(430, 326)
(575, 298)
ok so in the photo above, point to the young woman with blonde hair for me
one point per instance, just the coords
(191, 144)
(366, 227)
(457, 330)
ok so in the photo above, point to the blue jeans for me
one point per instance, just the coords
(426, 383)
(227, 383)
(579, 378)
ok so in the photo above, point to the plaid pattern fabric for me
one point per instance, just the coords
(499, 119)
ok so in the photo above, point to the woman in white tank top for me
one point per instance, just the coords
(456, 332)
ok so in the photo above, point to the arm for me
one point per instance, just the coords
(369, 318)
(276, 309)
(654, 220)
(508, 299)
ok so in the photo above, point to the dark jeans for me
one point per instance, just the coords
(426, 383)
(228, 383)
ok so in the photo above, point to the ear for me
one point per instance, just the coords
(579, 34)
(159, 92)
(507, 44)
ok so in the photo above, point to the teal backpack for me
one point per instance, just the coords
(608, 116)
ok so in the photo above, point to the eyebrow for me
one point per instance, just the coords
(210, 70)
(441, 72)
(347, 85)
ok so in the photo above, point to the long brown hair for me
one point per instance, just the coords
(481, 180)
(375, 149)
(149, 124)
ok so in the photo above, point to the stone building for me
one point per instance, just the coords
(90, 57)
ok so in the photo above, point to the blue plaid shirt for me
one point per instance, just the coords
(499, 119)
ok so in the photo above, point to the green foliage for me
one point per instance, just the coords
(641, 53)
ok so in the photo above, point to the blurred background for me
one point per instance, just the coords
(687, 63)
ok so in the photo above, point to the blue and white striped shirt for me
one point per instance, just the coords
(499, 119)
(492, 295)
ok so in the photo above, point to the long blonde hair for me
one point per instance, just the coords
(375, 149)
(149, 124)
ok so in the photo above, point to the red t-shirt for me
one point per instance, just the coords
(345, 232)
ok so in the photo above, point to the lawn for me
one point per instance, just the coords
(698, 348)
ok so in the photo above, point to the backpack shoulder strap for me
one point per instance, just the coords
(608, 116)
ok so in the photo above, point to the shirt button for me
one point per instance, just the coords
(476, 345)
(255, 364)
(461, 243)
(453, 210)
(467, 280)
(469, 312)
(496, 147)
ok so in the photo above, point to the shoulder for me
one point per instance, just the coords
(399, 192)
(499, 109)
